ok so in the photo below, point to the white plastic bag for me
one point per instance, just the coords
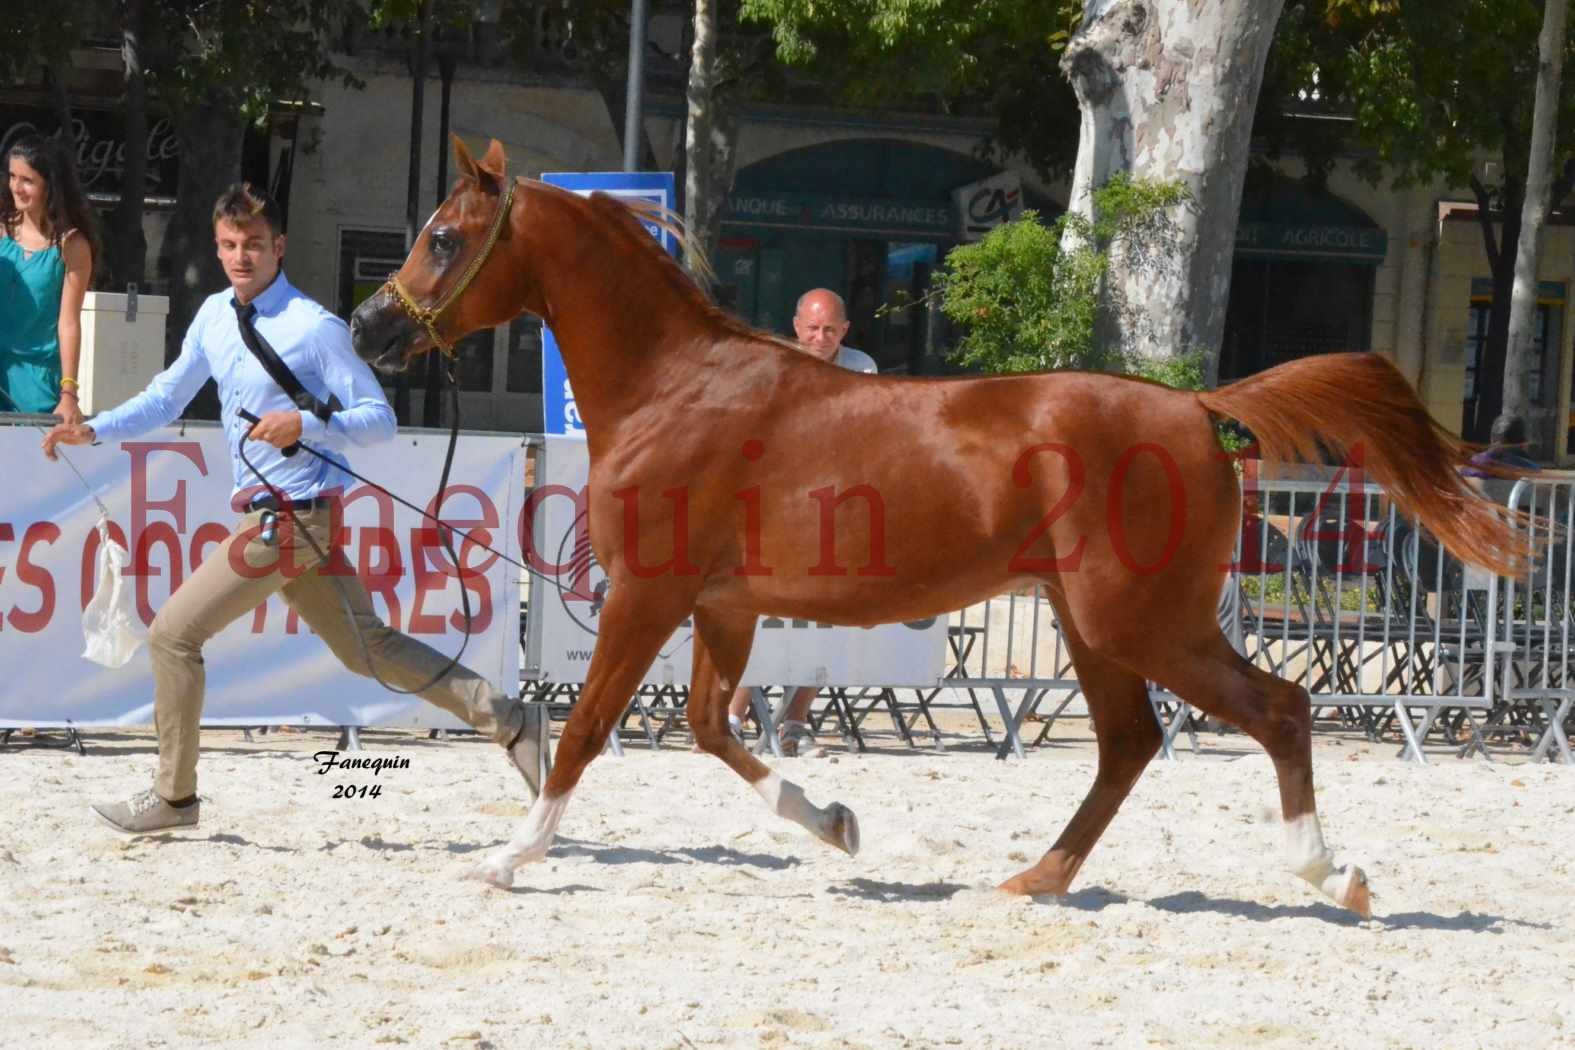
(109, 623)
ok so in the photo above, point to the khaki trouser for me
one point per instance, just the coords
(217, 594)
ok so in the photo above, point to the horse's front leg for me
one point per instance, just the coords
(721, 649)
(635, 623)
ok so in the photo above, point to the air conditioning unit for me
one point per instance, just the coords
(122, 346)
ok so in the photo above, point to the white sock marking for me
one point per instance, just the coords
(529, 843)
(1311, 859)
(786, 799)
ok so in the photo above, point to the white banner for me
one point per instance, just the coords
(168, 493)
(564, 611)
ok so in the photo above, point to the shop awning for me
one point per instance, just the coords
(1282, 218)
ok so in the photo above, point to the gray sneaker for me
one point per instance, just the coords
(145, 813)
(531, 751)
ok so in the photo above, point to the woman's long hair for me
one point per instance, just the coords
(65, 205)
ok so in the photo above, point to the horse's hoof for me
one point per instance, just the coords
(1034, 883)
(1017, 885)
(493, 873)
(1023, 886)
(844, 833)
(1357, 896)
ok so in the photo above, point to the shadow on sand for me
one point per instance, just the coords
(1192, 902)
(722, 856)
(896, 892)
(221, 839)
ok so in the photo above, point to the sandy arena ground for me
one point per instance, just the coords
(675, 912)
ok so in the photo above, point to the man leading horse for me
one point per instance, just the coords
(283, 543)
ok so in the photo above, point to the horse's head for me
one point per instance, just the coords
(453, 282)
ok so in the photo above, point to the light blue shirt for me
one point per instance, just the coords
(854, 360)
(312, 342)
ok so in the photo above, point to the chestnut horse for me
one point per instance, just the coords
(732, 477)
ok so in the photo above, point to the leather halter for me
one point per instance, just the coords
(427, 316)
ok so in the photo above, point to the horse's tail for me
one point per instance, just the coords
(1350, 402)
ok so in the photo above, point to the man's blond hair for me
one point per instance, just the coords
(244, 203)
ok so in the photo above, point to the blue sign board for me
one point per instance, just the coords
(559, 415)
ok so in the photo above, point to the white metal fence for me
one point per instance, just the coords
(1534, 637)
(1332, 589)
(1335, 590)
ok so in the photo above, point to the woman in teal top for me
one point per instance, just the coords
(46, 262)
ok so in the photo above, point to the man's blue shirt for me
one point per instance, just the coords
(312, 342)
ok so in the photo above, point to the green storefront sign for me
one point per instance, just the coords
(845, 214)
(1364, 244)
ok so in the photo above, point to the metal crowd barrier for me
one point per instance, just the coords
(1335, 590)
(1339, 593)
(1332, 589)
(1011, 642)
(1534, 639)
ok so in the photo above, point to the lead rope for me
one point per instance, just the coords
(103, 511)
(344, 594)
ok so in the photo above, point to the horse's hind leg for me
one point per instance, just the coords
(721, 650)
(633, 628)
(1128, 738)
(1213, 677)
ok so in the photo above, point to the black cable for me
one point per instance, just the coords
(344, 595)
(445, 531)
(443, 527)
(468, 537)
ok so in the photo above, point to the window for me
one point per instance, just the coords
(366, 258)
(524, 366)
(907, 280)
(1544, 333)
(1476, 345)
(1284, 309)
(473, 370)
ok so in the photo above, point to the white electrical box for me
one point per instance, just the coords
(122, 346)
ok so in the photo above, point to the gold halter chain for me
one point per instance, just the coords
(427, 317)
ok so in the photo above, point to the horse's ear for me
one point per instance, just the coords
(462, 158)
(490, 168)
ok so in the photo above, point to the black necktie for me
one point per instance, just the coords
(276, 368)
(279, 371)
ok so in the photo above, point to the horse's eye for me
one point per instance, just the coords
(444, 242)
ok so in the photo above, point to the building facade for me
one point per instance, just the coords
(861, 205)
(868, 205)
(1403, 273)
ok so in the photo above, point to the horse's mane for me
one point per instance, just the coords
(625, 215)
(693, 251)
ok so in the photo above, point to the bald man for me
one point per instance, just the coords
(820, 321)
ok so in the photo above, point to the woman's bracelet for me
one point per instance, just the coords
(72, 394)
(67, 380)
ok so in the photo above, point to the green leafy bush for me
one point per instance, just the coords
(1031, 297)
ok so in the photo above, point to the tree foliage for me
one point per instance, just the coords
(1431, 87)
(247, 53)
(35, 35)
(998, 59)
(1029, 297)
(1023, 306)
(1443, 91)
